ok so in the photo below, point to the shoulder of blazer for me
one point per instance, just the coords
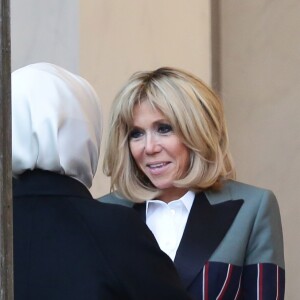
(258, 223)
(114, 198)
(234, 190)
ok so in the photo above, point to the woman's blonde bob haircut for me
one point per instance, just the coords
(196, 114)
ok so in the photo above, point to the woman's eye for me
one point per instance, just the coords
(164, 128)
(135, 133)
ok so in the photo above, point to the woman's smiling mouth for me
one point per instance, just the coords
(157, 168)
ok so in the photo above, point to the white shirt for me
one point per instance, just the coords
(167, 221)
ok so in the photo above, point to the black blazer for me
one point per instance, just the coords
(232, 245)
(69, 246)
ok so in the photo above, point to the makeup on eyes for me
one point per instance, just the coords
(160, 127)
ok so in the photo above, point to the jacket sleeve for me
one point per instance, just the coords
(263, 273)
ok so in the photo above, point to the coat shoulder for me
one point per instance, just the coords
(114, 198)
(235, 190)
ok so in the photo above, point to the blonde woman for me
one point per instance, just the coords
(168, 154)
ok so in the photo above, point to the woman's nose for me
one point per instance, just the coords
(152, 144)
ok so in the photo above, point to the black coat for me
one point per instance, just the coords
(69, 246)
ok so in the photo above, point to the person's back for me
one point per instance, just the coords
(69, 246)
(66, 244)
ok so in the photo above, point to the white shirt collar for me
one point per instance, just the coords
(187, 199)
(168, 220)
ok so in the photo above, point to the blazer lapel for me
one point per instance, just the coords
(206, 227)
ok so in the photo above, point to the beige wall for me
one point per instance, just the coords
(43, 30)
(120, 37)
(261, 88)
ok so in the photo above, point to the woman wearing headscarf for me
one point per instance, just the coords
(66, 244)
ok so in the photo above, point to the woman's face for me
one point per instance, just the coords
(158, 151)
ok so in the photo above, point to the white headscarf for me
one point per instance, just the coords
(56, 122)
